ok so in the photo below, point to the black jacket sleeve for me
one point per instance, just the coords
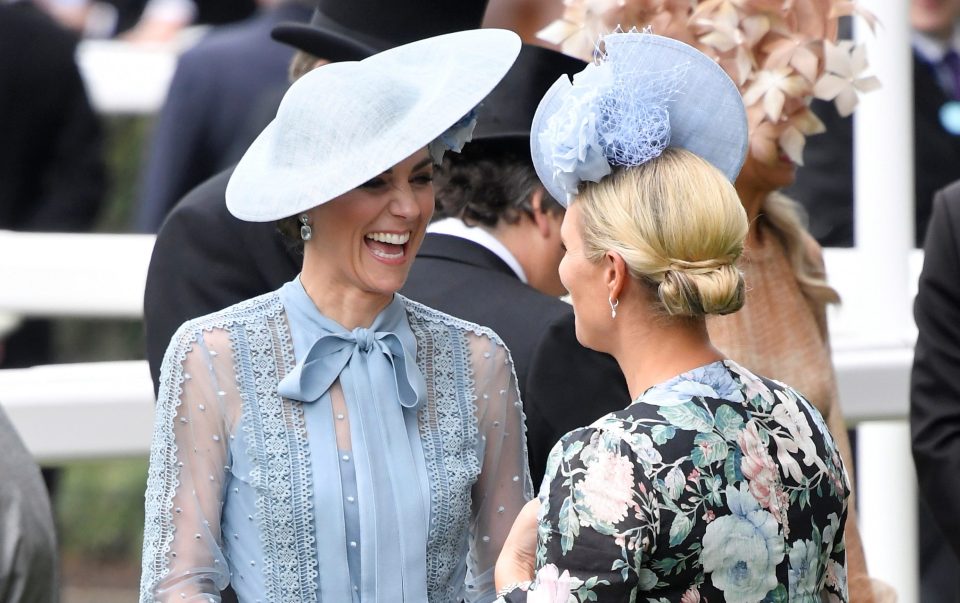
(935, 381)
(568, 386)
(205, 260)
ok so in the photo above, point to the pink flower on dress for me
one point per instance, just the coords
(761, 472)
(691, 596)
(607, 489)
(551, 586)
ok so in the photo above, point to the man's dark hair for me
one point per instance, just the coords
(485, 185)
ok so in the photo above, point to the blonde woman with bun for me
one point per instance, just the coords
(714, 483)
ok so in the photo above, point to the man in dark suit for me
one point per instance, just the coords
(218, 102)
(934, 387)
(492, 258)
(52, 173)
(205, 259)
(824, 184)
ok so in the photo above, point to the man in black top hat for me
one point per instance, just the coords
(205, 259)
(492, 257)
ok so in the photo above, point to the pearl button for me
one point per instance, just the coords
(346, 457)
(350, 499)
(353, 543)
(340, 416)
(202, 407)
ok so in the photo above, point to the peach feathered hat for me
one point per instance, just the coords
(780, 53)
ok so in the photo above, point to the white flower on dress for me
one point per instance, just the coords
(741, 551)
(837, 576)
(606, 492)
(789, 415)
(552, 587)
(803, 571)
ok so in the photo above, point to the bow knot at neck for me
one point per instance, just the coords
(365, 338)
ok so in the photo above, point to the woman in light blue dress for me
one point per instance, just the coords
(332, 440)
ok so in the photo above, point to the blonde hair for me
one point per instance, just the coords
(679, 226)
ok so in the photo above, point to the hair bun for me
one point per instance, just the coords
(698, 288)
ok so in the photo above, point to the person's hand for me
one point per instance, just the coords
(517, 561)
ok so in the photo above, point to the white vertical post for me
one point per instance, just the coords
(887, 500)
(883, 170)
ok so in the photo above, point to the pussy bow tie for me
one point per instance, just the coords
(330, 354)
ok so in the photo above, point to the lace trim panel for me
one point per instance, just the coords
(276, 429)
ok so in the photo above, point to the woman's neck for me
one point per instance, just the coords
(349, 306)
(654, 349)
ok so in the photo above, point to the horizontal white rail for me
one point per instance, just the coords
(73, 274)
(88, 410)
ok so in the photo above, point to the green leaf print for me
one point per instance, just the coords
(662, 433)
(777, 595)
(572, 451)
(569, 525)
(679, 529)
(687, 416)
(729, 423)
(710, 449)
(731, 467)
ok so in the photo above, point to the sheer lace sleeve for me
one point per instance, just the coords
(189, 465)
(504, 484)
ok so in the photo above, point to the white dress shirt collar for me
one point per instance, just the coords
(455, 227)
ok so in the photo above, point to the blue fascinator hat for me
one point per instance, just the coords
(643, 94)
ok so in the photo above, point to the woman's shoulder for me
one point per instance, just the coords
(422, 315)
(219, 325)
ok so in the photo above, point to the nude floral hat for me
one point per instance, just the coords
(780, 54)
(344, 123)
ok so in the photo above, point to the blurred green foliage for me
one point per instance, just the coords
(99, 508)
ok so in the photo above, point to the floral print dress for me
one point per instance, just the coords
(717, 485)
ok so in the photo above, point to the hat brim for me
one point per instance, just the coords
(325, 43)
(344, 123)
(707, 117)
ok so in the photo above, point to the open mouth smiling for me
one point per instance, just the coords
(387, 246)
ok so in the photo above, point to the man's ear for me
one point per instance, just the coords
(537, 213)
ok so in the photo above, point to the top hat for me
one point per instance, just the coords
(505, 115)
(352, 30)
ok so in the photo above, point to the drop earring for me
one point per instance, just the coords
(306, 233)
(613, 306)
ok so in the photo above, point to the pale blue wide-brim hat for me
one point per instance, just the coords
(344, 123)
(644, 94)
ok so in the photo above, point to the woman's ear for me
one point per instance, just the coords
(615, 273)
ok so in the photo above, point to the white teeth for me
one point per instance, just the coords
(389, 237)
(387, 256)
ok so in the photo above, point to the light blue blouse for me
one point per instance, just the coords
(248, 485)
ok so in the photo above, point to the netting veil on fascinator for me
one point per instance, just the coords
(643, 93)
(344, 123)
(780, 53)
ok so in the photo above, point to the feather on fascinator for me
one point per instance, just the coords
(643, 94)
(780, 53)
